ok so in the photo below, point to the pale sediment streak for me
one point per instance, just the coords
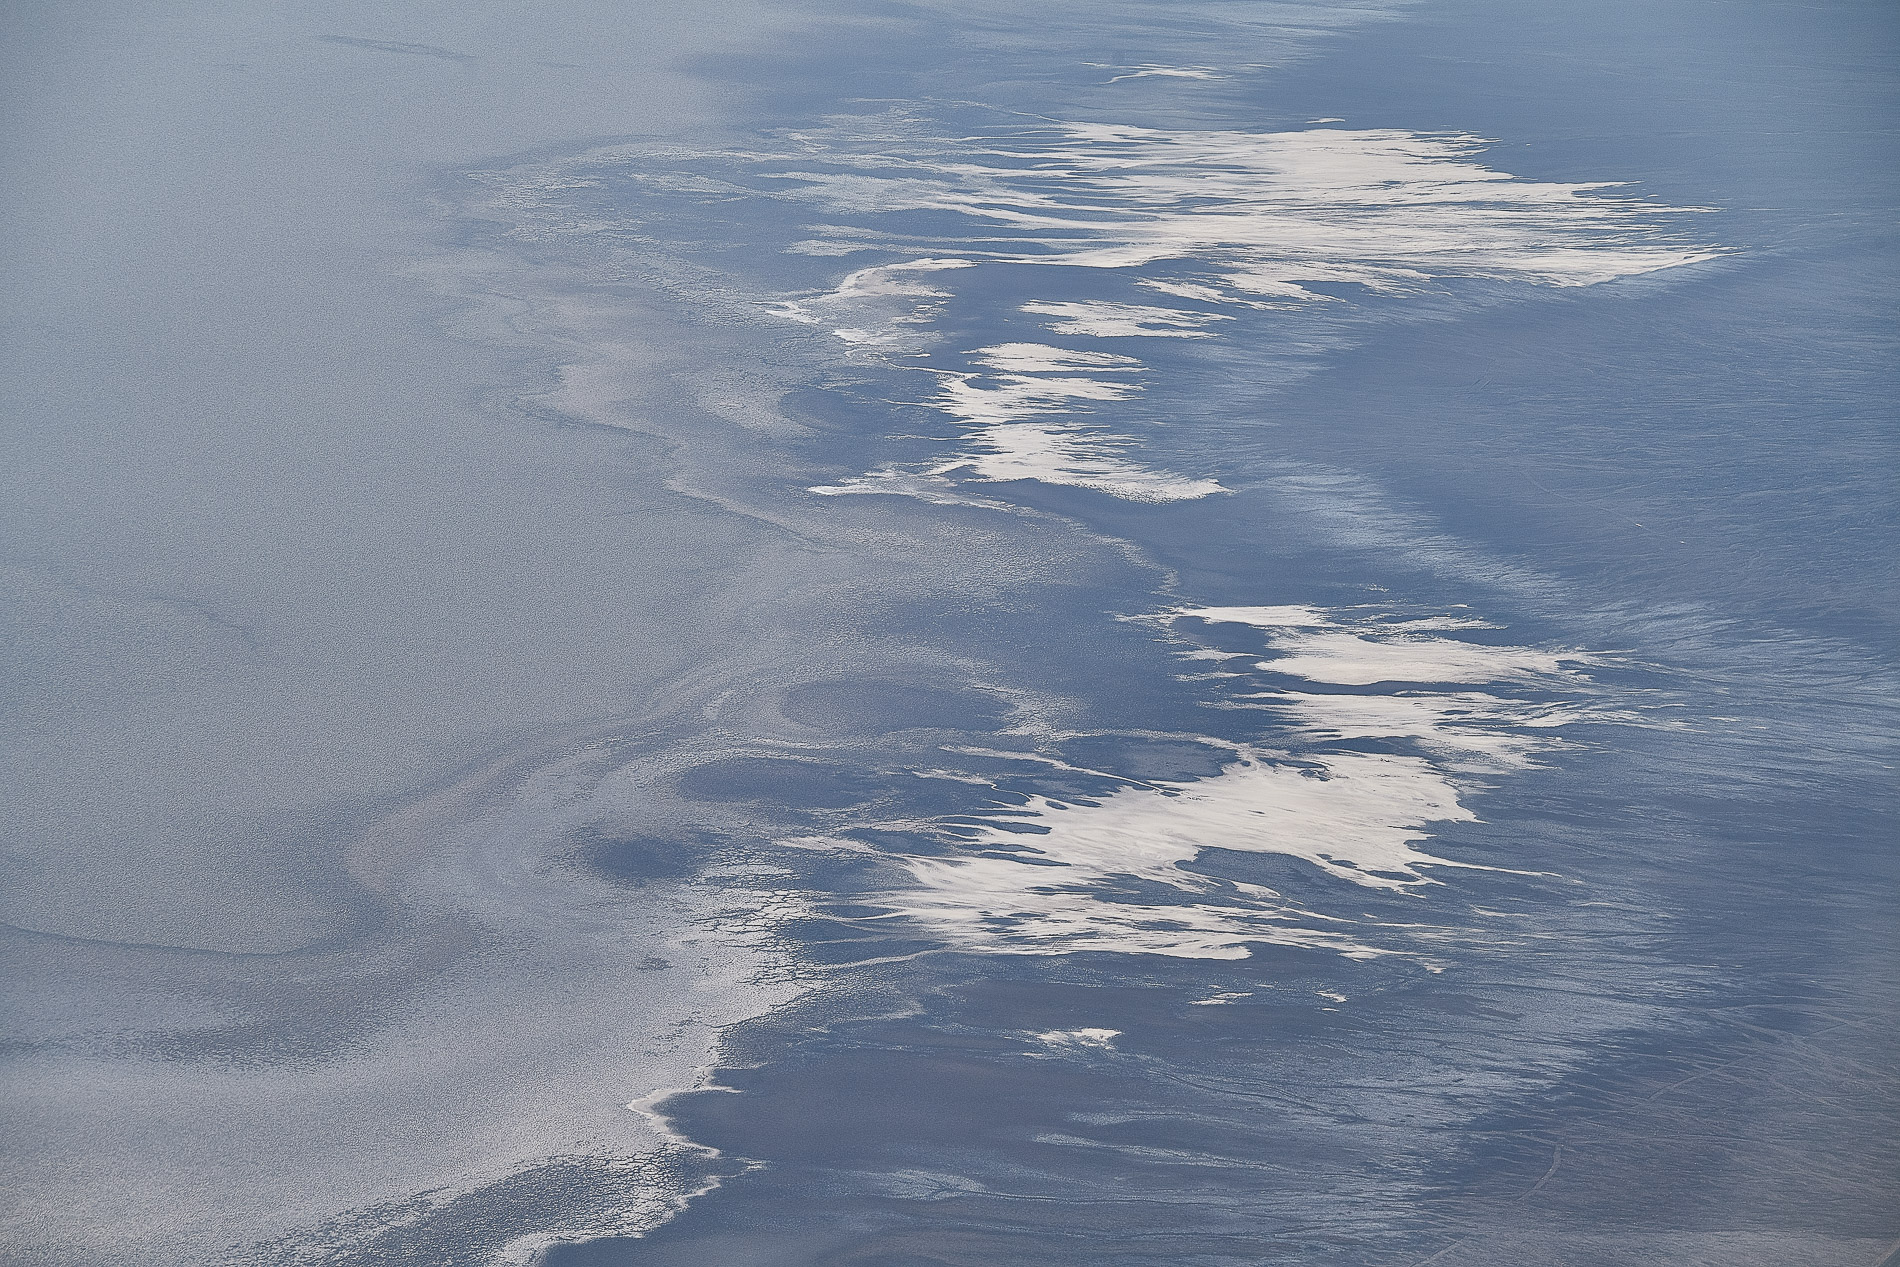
(1102, 320)
(1251, 216)
(1018, 413)
(1034, 224)
(885, 302)
(1073, 249)
(1126, 870)
(1324, 648)
(1066, 262)
(1156, 70)
(1225, 220)
(1100, 1039)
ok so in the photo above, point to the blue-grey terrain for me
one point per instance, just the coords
(890, 633)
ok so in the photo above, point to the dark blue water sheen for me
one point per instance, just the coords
(1663, 1030)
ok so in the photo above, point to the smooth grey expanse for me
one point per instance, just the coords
(274, 569)
(895, 633)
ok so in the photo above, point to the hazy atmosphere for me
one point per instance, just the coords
(888, 633)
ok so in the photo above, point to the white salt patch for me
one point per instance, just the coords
(1221, 1000)
(1390, 651)
(1112, 872)
(1185, 290)
(1073, 456)
(1103, 320)
(1285, 617)
(1022, 424)
(995, 906)
(883, 305)
(1261, 220)
(1350, 659)
(1356, 816)
(1268, 212)
(1469, 730)
(1100, 1039)
(1040, 358)
(1151, 71)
